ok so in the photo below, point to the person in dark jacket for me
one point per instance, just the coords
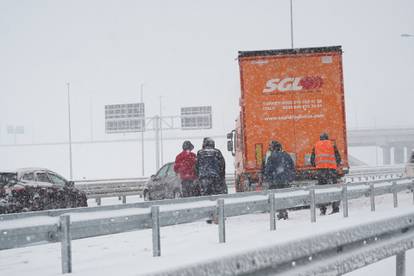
(185, 166)
(279, 171)
(326, 158)
(210, 168)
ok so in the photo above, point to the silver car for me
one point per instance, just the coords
(164, 184)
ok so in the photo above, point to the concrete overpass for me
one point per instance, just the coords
(399, 141)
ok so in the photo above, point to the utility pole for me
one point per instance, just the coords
(162, 147)
(70, 134)
(291, 24)
(91, 116)
(157, 122)
(142, 133)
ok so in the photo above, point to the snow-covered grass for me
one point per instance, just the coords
(131, 253)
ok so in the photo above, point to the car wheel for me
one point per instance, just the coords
(177, 194)
(146, 196)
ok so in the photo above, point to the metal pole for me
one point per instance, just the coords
(412, 187)
(161, 142)
(372, 196)
(91, 116)
(312, 204)
(66, 247)
(400, 264)
(345, 200)
(394, 194)
(221, 222)
(272, 211)
(156, 242)
(291, 24)
(142, 133)
(70, 134)
(157, 142)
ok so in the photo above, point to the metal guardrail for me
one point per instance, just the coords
(112, 187)
(20, 232)
(331, 253)
(123, 187)
(146, 204)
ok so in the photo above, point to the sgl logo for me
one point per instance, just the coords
(293, 84)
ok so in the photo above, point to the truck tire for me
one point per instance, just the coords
(147, 196)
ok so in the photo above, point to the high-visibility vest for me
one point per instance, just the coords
(325, 155)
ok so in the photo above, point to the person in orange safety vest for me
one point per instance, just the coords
(326, 158)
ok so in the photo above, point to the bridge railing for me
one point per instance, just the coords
(22, 232)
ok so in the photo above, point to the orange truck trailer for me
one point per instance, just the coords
(290, 96)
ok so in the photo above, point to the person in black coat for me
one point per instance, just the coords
(279, 171)
(279, 168)
(210, 168)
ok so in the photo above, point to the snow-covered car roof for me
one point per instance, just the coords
(22, 171)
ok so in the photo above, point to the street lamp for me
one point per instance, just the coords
(70, 134)
(142, 133)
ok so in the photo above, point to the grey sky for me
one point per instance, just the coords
(185, 52)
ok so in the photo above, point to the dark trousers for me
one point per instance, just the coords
(278, 184)
(328, 176)
(212, 186)
(282, 213)
(190, 188)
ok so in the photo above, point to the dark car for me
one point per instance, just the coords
(164, 184)
(35, 189)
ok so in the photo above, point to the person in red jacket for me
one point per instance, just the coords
(185, 167)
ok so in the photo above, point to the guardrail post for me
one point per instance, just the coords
(221, 222)
(124, 199)
(400, 264)
(412, 187)
(372, 196)
(272, 211)
(345, 200)
(66, 247)
(312, 204)
(98, 201)
(394, 194)
(156, 243)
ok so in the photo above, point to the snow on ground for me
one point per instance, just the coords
(131, 253)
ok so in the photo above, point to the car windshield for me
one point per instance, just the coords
(6, 178)
(163, 171)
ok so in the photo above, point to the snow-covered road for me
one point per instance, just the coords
(131, 253)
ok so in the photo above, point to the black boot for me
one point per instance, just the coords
(335, 207)
(323, 210)
(334, 210)
(282, 214)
